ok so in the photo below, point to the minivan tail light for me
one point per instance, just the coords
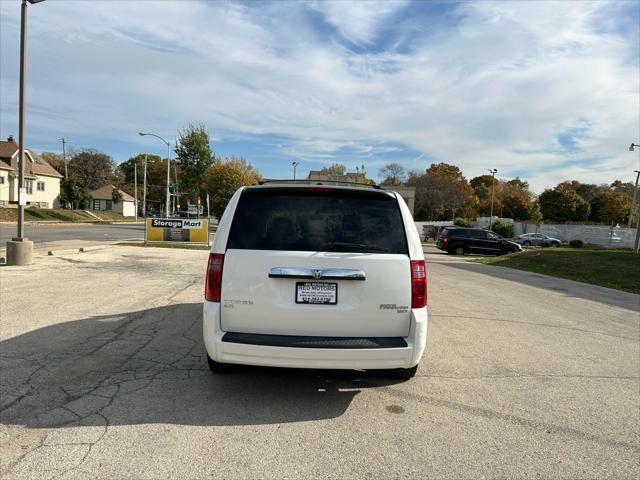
(213, 283)
(418, 284)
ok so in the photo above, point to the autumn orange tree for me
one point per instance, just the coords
(442, 193)
(224, 178)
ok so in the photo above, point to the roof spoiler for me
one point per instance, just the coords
(321, 182)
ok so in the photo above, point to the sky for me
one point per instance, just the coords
(544, 90)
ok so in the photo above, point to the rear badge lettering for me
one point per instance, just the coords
(233, 303)
(393, 306)
(388, 306)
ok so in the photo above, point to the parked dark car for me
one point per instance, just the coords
(458, 241)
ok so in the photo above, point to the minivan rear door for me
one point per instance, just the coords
(317, 261)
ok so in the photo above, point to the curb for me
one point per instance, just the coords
(92, 248)
(63, 251)
(59, 223)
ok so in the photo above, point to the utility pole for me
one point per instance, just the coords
(135, 186)
(633, 201)
(144, 188)
(177, 192)
(168, 180)
(64, 157)
(493, 183)
(167, 205)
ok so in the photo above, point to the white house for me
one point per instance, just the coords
(102, 200)
(41, 180)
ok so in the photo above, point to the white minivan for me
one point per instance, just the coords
(316, 276)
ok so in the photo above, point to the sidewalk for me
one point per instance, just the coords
(63, 246)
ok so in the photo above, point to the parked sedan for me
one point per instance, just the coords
(529, 239)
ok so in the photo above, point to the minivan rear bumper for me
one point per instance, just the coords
(310, 357)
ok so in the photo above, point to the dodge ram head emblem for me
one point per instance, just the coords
(317, 274)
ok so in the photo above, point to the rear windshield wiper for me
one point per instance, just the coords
(356, 246)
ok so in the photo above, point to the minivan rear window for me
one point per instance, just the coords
(318, 220)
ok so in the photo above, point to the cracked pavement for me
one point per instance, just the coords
(103, 375)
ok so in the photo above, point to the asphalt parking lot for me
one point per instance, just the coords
(104, 375)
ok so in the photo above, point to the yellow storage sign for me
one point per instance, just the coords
(177, 230)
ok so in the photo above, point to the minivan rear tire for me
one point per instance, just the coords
(217, 367)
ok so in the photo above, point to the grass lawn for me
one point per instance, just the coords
(186, 246)
(59, 215)
(619, 269)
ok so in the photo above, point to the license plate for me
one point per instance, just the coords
(317, 293)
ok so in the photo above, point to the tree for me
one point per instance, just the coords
(610, 206)
(445, 170)
(116, 196)
(482, 186)
(156, 177)
(588, 191)
(335, 169)
(442, 193)
(392, 174)
(91, 168)
(56, 160)
(536, 214)
(224, 178)
(196, 159)
(562, 204)
(74, 194)
(502, 228)
(516, 199)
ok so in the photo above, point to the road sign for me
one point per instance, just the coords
(22, 196)
(177, 230)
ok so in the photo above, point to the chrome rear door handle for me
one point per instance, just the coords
(317, 273)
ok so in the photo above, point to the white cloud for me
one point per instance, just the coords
(356, 20)
(492, 90)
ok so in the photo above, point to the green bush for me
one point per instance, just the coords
(503, 229)
(462, 222)
(576, 243)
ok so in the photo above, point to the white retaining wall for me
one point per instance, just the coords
(605, 236)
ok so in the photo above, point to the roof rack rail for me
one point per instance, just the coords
(319, 182)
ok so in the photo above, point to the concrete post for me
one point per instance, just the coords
(19, 251)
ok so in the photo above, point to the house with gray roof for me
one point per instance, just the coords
(41, 180)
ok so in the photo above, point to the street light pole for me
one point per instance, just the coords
(20, 250)
(493, 183)
(168, 166)
(295, 164)
(22, 200)
(64, 158)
